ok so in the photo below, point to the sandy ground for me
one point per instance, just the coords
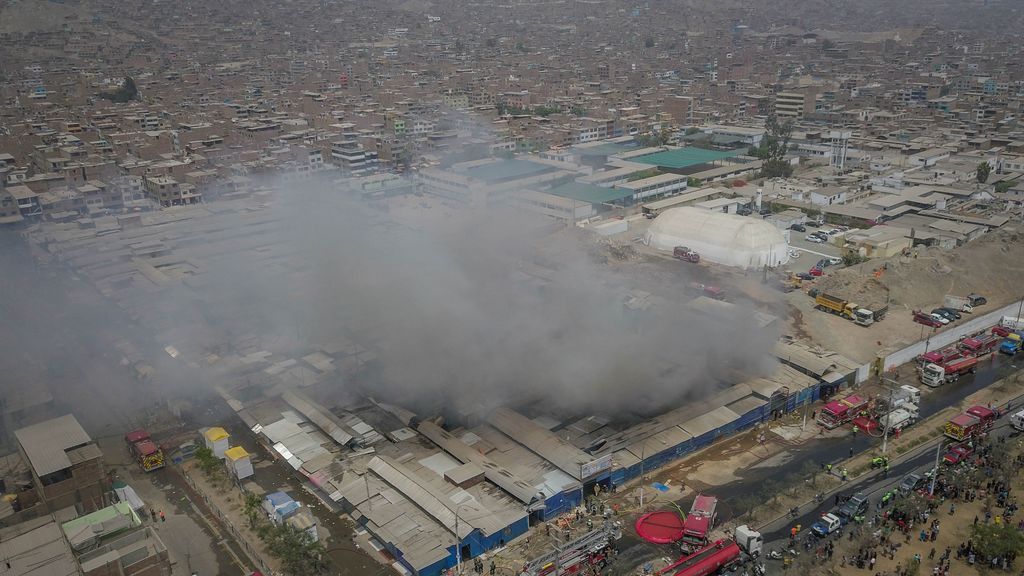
(985, 266)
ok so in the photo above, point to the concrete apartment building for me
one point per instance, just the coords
(794, 105)
(66, 464)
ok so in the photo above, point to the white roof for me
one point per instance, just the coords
(719, 237)
(47, 443)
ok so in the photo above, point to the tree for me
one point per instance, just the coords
(299, 553)
(1003, 187)
(252, 508)
(127, 92)
(992, 540)
(694, 182)
(208, 463)
(773, 149)
(984, 169)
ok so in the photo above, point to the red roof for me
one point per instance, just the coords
(662, 527)
(146, 447)
(965, 420)
(981, 412)
(836, 407)
(697, 525)
(705, 504)
(136, 435)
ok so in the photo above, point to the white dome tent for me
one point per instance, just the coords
(719, 237)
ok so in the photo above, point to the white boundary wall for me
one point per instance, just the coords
(947, 337)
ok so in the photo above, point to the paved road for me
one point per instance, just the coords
(636, 551)
(872, 485)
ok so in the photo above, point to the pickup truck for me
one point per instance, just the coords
(957, 454)
(828, 524)
(855, 506)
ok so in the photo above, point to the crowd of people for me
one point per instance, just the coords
(900, 518)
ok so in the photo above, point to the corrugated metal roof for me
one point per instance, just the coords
(540, 441)
(707, 422)
(46, 443)
(324, 420)
(36, 547)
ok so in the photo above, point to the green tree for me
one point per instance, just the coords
(300, 555)
(997, 540)
(125, 93)
(253, 509)
(774, 147)
(694, 182)
(208, 463)
(1004, 186)
(984, 169)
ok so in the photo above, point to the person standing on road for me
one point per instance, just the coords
(162, 517)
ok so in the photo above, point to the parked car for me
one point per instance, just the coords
(945, 314)
(855, 506)
(804, 276)
(955, 313)
(815, 271)
(940, 319)
(828, 524)
(926, 319)
(911, 483)
(832, 232)
(798, 228)
(814, 239)
(977, 299)
(835, 261)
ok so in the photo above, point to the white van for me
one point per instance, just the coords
(1018, 420)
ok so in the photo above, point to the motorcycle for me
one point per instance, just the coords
(774, 555)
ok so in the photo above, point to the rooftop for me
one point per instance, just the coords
(589, 192)
(505, 170)
(684, 157)
(36, 547)
(48, 443)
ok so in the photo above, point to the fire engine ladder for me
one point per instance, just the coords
(570, 553)
(688, 561)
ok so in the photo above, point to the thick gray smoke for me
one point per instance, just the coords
(474, 309)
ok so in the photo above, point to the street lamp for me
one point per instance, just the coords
(458, 541)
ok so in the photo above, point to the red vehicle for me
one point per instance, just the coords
(815, 271)
(940, 356)
(713, 292)
(700, 521)
(685, 254)
(980, 345)
(987, 416)
(975, 421)
(706, 561)
(938, 374)
(926, 319)
(1001, 331)
(957, 454)
(839, 412)
(149, 456)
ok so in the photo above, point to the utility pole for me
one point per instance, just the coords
(806, 405)
(643, 451)
(458, 542)
(935, 469)
(888, 419)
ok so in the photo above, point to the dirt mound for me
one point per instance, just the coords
(991, 266)
(861, 287)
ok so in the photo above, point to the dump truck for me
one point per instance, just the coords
(146, 452)
(700, 521)
(936, 375)
(839, 412)
(961, 303)
(980, 345)
(1011, 344)
(862, 315)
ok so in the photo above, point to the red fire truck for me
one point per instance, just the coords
(839, 412)
(980, 345)
(700, 521)
(144, 450)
